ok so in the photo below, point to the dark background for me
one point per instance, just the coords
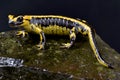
(103, 15)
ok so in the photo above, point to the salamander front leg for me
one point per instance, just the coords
(21, 33)
(38, 31)
(42, 41)
(72, 40)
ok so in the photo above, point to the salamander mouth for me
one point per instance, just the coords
(14, 24)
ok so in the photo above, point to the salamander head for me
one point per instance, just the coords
(19, 21)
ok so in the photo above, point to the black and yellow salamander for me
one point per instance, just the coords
(53, 24)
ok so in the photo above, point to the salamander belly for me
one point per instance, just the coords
(56, 30)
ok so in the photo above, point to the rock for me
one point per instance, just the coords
(10, 62)
(77, 62)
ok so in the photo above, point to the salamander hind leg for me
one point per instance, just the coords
(72, 40)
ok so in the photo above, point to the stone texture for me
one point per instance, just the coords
(54, 63)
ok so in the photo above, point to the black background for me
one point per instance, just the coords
(103, 15)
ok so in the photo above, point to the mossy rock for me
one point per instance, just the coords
(77, 62)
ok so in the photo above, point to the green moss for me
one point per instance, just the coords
(78, 61)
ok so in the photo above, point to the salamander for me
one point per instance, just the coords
(55, 24)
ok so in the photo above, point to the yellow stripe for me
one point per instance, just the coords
(95, 50)
(56, 16)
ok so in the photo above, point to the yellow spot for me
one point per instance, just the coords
(10, 16)
(72, 35)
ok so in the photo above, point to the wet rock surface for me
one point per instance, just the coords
(53, 63)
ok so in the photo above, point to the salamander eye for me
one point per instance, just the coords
(20, 19)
